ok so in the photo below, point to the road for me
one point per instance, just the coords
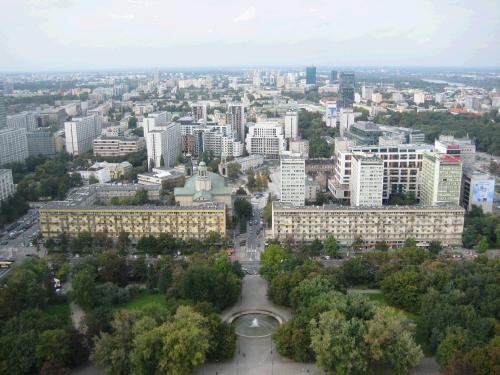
(20, 247)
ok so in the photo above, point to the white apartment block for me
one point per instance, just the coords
(367, 92)
(6, 184)
(155, 120)
(217, 143)
(293, 174)
(235, 116)
(24, 120)
(266, 138)
(291, 124)
(366, 184)
(13, 146)
(372, 224)
(249, 162)
(80, 134)
(402, 167)
(419, 97)
(117, 146)
(163, 143)
(441, 179)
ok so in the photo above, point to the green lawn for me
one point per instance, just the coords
(145, 299)
(61, 311)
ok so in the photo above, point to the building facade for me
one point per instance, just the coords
(235, 116)
(164, 145)
(267, 139)
(24, 120)
(13, 146)
(371, 224)
(293, 176)
(41, 142)
(366, 183)
(478, 189)
(117, 146)
(441, 179)
(80, 134)
(185, 223)
(291, 124)
(6, 184)
(346, 89)
(311, 75)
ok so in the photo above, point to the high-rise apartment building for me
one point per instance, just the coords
(347, 118)
(266, 138)
(154, 120)
(293, 174)
(311, 75)
(291, 124)
(346, 89)
(367, 92)
(6, 184)
(441, 179)
(163, 145)
(80, 134)
(199, 112)
(235, 116)
(3, 111)
(13, 146)
(41, 141)
(24, 120)
(366, 183)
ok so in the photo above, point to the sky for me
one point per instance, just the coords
(121, 34)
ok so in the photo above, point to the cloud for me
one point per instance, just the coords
(312, 10)
(247, 15)
(128, 16)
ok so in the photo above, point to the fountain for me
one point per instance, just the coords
(255, 323)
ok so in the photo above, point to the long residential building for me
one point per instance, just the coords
(117, 146)
(371, 224)
(184, 223)
(6, 184)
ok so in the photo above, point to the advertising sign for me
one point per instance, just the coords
(483, 191)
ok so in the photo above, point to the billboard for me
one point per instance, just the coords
(483, 191)
(331, 110)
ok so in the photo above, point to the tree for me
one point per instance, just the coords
(271, 261)
(381, 246)
(124, 240)
(242, 208)
(456, 341)
(54, 345)
(84, 289)
(330, 246)
(185, 344)
(410, 242)
(358, 243)
(233, 171)
(482, 246)
(404, 288)
(132, 122)
(435, 247)
(390, 341)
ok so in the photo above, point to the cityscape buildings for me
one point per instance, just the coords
(13, 145)
(311, 75)
(441, 179)
(366, 183)
(266, 138)
(80, 133)
(346, 88)
(6, 184)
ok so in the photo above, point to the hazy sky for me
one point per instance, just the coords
(76, 34)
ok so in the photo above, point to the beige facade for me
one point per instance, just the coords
(117, 146)
(372, 224)
(181, 222)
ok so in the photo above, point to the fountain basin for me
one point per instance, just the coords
(255, 324)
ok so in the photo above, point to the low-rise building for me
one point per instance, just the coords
(312, 189)
(159, 175)
(299, 146)
(249, 162)
(371, 224)
(117, 146)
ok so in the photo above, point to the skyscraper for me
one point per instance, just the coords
(235, 116)
(333, 76)
(293, 175)
(291, 124)
(346, 88)
(3, 115)
(311, 75)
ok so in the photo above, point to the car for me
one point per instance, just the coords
(4, 242)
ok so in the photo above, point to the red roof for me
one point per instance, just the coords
(450, 158)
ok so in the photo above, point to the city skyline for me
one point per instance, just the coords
(71, 34)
